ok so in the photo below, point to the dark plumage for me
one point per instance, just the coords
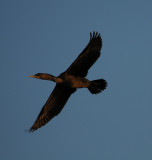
(68, 81)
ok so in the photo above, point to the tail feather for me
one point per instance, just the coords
(97, 86)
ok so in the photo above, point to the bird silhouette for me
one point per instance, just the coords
(68, 81)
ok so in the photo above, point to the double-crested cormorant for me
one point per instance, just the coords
(68, 81)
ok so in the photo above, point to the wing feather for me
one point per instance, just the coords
(87, 57)
(53, 106)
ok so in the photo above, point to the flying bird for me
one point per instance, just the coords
(70, 80)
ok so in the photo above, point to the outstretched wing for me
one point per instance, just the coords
(53, 106)
(88, 56)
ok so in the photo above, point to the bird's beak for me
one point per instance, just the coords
(34, 76)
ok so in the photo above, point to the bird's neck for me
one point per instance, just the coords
(51, 78)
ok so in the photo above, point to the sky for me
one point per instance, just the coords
(45, 37)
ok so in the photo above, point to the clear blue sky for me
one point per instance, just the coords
(46, 36)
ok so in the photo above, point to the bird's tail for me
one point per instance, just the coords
(97, 86)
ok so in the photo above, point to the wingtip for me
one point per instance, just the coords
(95, 34)
(90, 35)
(29, 130)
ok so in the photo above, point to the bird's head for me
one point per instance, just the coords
(38, 75)
(43, 76)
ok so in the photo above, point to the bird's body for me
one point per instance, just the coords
(68, 81)
(75, 82)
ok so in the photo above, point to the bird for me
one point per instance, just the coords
(69, 81)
